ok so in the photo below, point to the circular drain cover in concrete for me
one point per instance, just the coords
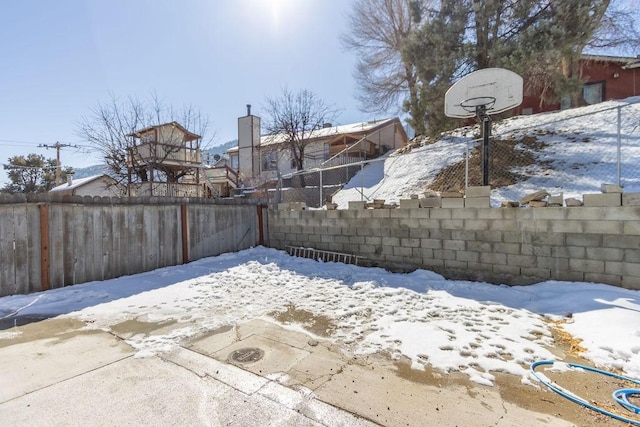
(247, 355)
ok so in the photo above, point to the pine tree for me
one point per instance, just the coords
(542, 40)
(32, 174)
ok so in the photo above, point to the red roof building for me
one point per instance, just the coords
(605, 78)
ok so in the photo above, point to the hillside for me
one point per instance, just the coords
(90, 171)
(571, 152)
(210, 152)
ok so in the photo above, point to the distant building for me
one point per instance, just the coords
(167, 160)
(220, 178)
(605, 78)
(259, 159)
(96, 185)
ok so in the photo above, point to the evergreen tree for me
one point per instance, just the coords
(32, 174)
(542, 40)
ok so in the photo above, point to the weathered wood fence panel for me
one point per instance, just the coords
(97, 239)
(18, 243)
(34, 242)
(226, 229)
(7, 252)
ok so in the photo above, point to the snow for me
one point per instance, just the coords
(323, 132)
(581, 151)
(75, 183)
(471, 327)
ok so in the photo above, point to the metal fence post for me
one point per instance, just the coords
(619, 142)
(345, 161)
(466, 167)
(321, 187)
(361, 182)
(279, 188)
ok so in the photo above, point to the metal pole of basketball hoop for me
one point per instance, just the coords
(480, 106)
(481, 114)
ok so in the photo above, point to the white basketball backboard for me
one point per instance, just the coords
(496, 88)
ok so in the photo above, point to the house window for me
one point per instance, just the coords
(593, 93)
(270, 161)
(234, 162)
(148, 137)
(327, 151)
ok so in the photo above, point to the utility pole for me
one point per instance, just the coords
(58, 146)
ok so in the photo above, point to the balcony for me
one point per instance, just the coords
(163, 189)
(221, 180)
(352, 152)
(166, 155)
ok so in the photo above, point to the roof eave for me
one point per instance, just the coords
(631, 66)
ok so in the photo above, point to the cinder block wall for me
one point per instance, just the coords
(514, 246)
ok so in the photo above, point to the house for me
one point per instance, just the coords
(220, 178)
(605, 78)
(165, 160)
(96, 185)
(259, 159)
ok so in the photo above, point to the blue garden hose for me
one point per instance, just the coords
(620, 396)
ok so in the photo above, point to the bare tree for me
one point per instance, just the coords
(107, 129)
(416, 59)
(618, 29)
(378, 30)
(293, 119)
(110, 125)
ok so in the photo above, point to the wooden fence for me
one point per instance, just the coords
(48, 242)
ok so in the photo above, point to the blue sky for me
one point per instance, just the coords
(60, 58)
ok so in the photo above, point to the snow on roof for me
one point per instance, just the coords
(631, 65)
(326, 132)
(75, 183)
(609, 58)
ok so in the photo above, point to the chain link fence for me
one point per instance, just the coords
(571, 152)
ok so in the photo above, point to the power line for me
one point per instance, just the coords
(22, 143)
(15, 141)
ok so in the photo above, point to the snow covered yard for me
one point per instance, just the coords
(474, 328)
(576, 152)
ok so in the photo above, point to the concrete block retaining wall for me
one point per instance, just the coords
(514, 246)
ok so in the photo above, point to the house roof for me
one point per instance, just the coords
(609, 58)
(358, 129)
(631, 65)
(189, 136)
(75, 183)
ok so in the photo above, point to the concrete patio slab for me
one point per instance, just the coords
(277, 357)
(33, 365)
(67, 375)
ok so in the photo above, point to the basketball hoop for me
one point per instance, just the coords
(495, 89)
(482, 93)
(479, 102)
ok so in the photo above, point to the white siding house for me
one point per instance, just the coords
(259, 159)
(96, 185)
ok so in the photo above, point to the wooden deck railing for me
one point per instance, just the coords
(353, 153)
